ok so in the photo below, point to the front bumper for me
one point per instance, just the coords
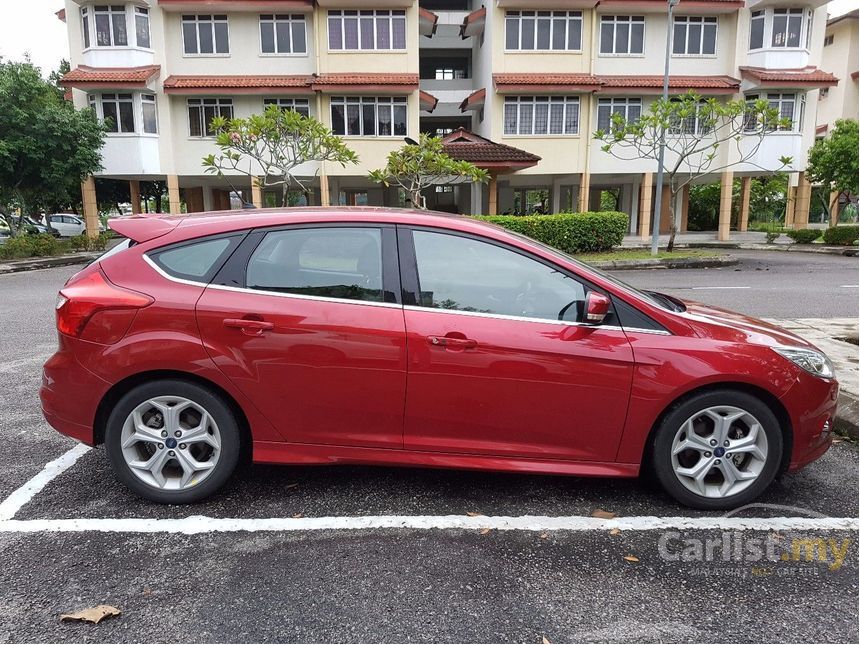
(811, 403)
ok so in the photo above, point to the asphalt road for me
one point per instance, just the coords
(417, 584)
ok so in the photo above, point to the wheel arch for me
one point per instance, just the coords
(762, 394)
(121, 388)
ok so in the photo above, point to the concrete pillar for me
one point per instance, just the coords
(665, 215)
(173, 194)
(256, 193)
(91, 206)
(725, 218)
(556, 195)
(633, 201)
(789, 206)
(801, 201)
(744, 215)
(325, 199)
(584, 192)
(645, 206)
(493, 206)
(685, 208)
(134, 194)
(834, 208)
(208, 199)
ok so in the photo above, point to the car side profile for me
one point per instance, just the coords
(396, 337)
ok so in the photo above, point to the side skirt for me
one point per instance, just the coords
(268, 452)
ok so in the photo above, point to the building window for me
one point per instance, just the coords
(695, 36)
(698, 124)
(150, 113)
(111, 29)
(85, 26)
(373, 30)
(302, 106)
(541, 115)
(622, 34)
(202, 111)
(283, 34)
(788, 106)
(116, 110)
(629, 109)
(823, 92)
(205, 34)
(781, 28)
(141, 27)
(828, 40)
(368, 116)
(543, 30)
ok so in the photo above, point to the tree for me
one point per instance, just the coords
(695, 131)
(55, 78)
(156, 191)
(273, 145)
(46, 146)
(110, 193)
(416, 166)
(833, 160)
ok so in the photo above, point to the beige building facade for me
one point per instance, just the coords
(518, 86)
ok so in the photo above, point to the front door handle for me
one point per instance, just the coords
(452, 342)
(249, 326)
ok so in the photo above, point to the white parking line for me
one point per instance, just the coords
(199, 524)
(25, 493)
(721, 288)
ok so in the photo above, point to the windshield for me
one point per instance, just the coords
(657, 299)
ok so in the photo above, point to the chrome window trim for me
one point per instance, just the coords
(280, 294)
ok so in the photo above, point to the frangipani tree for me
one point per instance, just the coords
(269, 147)
(416, 166)
(702, 136)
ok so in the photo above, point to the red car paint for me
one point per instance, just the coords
(327, 382)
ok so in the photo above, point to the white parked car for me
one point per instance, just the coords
(68, 225)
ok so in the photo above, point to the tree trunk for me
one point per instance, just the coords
(674, 225)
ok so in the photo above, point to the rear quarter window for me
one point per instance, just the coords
(198, 261)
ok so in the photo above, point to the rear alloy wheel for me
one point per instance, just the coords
(172, 441)
(718, 450)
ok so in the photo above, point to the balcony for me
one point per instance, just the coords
(131, 154)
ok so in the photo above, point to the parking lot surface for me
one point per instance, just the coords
(392, 555)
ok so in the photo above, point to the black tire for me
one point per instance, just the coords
(209, 401)
(661, 449)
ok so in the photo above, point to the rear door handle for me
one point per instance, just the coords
(248, 326)
(453, 343)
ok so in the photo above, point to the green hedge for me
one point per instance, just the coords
(841, 235)
(568, 232)
(42, 245)
(804, 235)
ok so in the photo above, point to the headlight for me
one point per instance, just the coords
(811, 360)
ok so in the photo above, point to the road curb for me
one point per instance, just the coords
(32, 264)
(846, 422)
(851, 251)
(660, 263)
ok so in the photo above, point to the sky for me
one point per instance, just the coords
(30, 27)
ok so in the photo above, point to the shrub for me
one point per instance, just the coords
(568, 232)
(84, 243)
(841, 235)
(804, 235)
(27, 246)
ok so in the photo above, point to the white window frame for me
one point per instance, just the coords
(622, 105)
(767, 14)
(289, 103)
(526, 116)
(828, 40)
(220, 104)
(287, 19)
(112, 14)
(337, 19)
(142, 12)
(89, 35)
(213, 18)
(570, 19)
(384, 103)
(97, 101)
(615, 21)
(145, 100)
(704, 22)
(698, 130)
(86, 19)
(778, 100)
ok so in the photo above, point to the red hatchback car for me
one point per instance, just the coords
(381, 336)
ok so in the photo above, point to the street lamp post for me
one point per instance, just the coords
(658, 198)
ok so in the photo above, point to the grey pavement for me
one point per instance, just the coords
(394, 585)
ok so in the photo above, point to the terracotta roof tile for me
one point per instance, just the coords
(473, 23)
(428, 99)
(235, 82)
(365, 79)
(106, 76)
(566, 80)
(474, 99)
(463, 145)
(808, 76)
(675, 82)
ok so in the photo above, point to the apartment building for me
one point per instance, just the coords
(839, 55)
(516, 86)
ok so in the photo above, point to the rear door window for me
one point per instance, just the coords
(336, 262)
(196, 261)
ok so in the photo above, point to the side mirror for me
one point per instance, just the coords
(596, 308)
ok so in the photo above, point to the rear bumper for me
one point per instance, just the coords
(70, 395)
(812, 404)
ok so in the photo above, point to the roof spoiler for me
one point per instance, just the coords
(140, 228)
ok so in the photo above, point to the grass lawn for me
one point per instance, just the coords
(645, 254)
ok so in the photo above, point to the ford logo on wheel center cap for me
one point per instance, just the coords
(718, 452)
(170, 443)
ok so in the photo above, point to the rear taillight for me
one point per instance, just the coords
(95, 309)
